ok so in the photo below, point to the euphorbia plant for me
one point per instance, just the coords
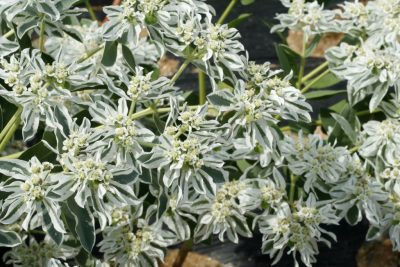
(120, 159)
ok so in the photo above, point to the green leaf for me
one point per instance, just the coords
(49, 9)
(162, 202)
(373, 233)
(7, 111)
(337, 133)
(314, 43)
(339, 106)
(224, 85)
(236, 22)
(346, 126)
(84, 259)
(42, 150)
(110, 54)
(159, 123)
(220, 98)
(73, 33)
(246, 2)
(287, 58)
(84, 225)
(7, 47)
(318, 94)
(25, 26)
(9, 238)
(328, 80)
(128, 57)
(243, 165)
(353, 216)
(51, 231)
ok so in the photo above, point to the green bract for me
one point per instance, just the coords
(117, 159)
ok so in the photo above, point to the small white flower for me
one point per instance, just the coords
(381, 139)
(32, 192)
(44, 253)
(311, 157)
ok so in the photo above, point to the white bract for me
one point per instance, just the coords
(309, 156)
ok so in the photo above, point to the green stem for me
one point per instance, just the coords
(150, 111)
(354, 149)
(42, 34)
(226, 12)
(38, 232)
(90, 54)
(183, 252)
(202, 88)
(309, 85)
(90, 10)
(367, 112)
(315, 71)
(13, 156)
(180, 71)
(9, 34)
(302, 62)
(293, 180)
(285, 128)
(9, 134)
(132, 107)
(10, 123)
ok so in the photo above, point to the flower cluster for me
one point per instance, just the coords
(310, 17)
(45, 253)
(222, 214)
(127, 244)
(298, 229)
(309, 156)
(31, 198)
(381, 139)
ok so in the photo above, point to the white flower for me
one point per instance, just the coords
(307, 16)
(135, 244)
(31, 194)
(381, 139)
(358, 192)
(391, 220)
(44, 253)
(354, 17)
(297, 231)
(369, 69)
(389, 176)
(96, 184)
(222, 215)
(36, 89)
(311, 157)
(119, 132)
(265, 193)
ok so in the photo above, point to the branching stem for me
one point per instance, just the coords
(183, 252)
(313, 82)
(315, 72)
(132, 107)
(10, 129)
(202, 88)
(226, 12)
(9, 34)
(293, 180)
(42, 33)
(90, 10)
(180, 71)
(90, 54)
(150, 111)
(302, 62)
